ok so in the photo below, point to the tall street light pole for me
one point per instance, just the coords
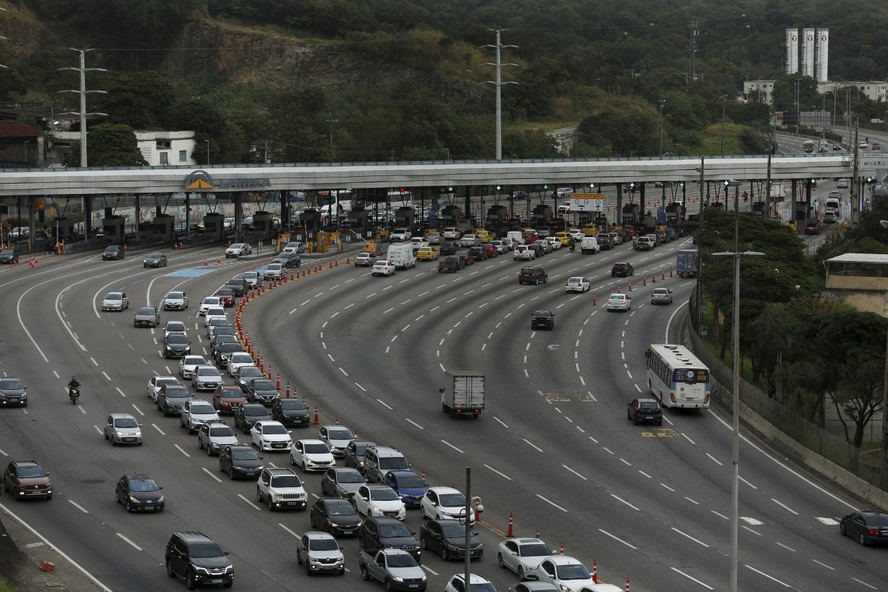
(208, 152)
(499, 83)
(83, 92)
(724, 105)
(660, 104)
(735, 355)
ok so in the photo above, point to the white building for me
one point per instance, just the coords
(762, 91)
(158, 148)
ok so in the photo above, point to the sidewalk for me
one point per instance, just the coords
(21, 554)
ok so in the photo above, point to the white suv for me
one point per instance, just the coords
(524, 253)
(281, 489)
(400, 234)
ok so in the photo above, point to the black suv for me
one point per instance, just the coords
(449, 263)
(642, 410)
(542, 319)
(622, 269)
(199, 560)
(532, 275)
(478, 253)
(240, 460)
(383, 532)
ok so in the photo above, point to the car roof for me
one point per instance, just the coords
(563, 560)
(120, 416)
(444, 489)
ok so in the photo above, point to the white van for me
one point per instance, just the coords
(516, 237)
(401, 256)
(589, 244)
(832, 203)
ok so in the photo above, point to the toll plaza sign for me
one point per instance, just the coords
(586, 202)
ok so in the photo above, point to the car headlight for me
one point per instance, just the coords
(398, 579)
(564, 588)
(160, 500)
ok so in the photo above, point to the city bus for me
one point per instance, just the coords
(677, 377)
(808, 146)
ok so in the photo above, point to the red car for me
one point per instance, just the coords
(227, 398)
(225, 296)
(491, 250)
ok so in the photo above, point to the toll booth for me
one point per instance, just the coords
(405, 216)
(802, 212)
(214, 226)
(541, 215)
(63, 229)
(497, 219)
(674, 213)
(263, 225)
(449, 215)
(631, 214)
(113, 228)
(359, 222)
(310, 221)
(162, 228)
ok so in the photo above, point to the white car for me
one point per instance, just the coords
(565, 572)
(195, 413)
(123, 428)
(20, 232)
(238, 250)
(469, 240)
(576, 234)
(281, 489)
(400, 234)
(523, 253)
(842, 183)
(174, 327)
(444, 503)
(238, 359)
(522, 555)
(619, 302)
(578, 284)
(383, 268)
(207, 303)
(156, 383)
(311, 455)
(188, 363)
(336, 437)
(175, 300)
(320, 552)
(555, 242)
(206, 378)
(563, 192)
(270, 435)
(365, 259)
(273, 271)
(115, 301)
(477, 583)
(214, 311)
(379, 500)
(451, 233)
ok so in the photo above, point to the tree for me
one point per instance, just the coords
(110, 144)
(138, 99)
(859, 396)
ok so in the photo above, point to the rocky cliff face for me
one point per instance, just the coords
(248, 57)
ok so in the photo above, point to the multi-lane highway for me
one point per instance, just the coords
(553, 449)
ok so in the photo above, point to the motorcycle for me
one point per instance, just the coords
(74, 394)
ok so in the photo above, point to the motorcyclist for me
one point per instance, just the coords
(73, 384)
(573, 245)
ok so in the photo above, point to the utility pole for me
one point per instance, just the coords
(693, 50)
(83, 92)
(855, 184)
(332, 121)
(499, 83)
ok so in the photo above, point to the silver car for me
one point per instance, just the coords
(522, 555)
(115, 301)
(320, 552)
(206, 378)
(661, 296)
(123, 428)
(619, 302)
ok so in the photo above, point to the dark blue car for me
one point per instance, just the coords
(409, 486)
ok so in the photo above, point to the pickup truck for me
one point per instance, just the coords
(395, 568)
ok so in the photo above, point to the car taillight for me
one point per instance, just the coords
(873, 532)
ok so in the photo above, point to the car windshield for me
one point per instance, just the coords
(176, 327)
(203, 409)
(210, 301)
(350, 477)
(453, 530)
(340, 508)
(146, 311)
(317, 449)
(412, 481)
(193, 360)
(394, 530)
(155, 256)
(220, 431)
(263, 385)
(393, 462)
(324, 544)
(481, 587)
(273, 266)
(126, 422)
(274, 429)
(175, 296)
(162, 381)
(401, 560)
(244, 454)
(249, 372)
(240, 357)
(383, 494)
(573, 571)
(286, 481)
(30, 471)
(258, 411)
(207, 371)
(10, 384)
(449, 500)
(143, 485)
(201, 550)
(114, 296)
(176, 393)
(340, 434)
(232, 393)
(292, 405)
(178, 339)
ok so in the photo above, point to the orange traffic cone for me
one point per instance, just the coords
(509, 533)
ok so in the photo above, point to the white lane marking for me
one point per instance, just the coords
(772, 578)
(137, 547)
(251, 504)
(826, 520)
(685, 436)
(181, 450)
(410, 421)
(619, 499)
(693, 579)
(452, 446)
(785, 547)
(154, 425)
(695, 502)
(504, 476)
(384, 404)
(122, 394)
(864, 584)
(575, 473)
(719, 515)
(538, 449)
(360, 387)
(93, 360)
(78, 506)
(501, 422)
(752, 531)
(551, 503)
(715, 460)
(208, 472)
(295, 535)
(829, 567)
(747, 482)
(98, 429)
(645, 474)
(785, 507)
(619, 540)
(684, 534)
(105, 374)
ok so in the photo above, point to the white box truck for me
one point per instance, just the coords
(464, 393)
(401, 256)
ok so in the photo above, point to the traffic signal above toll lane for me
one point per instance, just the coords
(499, 188)
(681, 184)
(812, 182)
(870, 179)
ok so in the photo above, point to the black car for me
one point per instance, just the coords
(542, 319)
(197, 559)
(645, 410)
(605, 242)
(290, 412)
(867, 528)
(219, 340)
(450, 263)
(239, 285)
(248, 414)
(336, 516)
(812, 227)
(448, 248)
(478, 253)
(448, 539)
(384, 532)
(622, 269)
(139, 493)
(465, 257)
(113, 252)
(262, 390)
(225, 350)
(9, 256)
(354, 454)
(532, 275)
(288, 260)
(171, 398)
(176, 345)
(538, 250)
(240, 460)
(341, 482)
(13, 392)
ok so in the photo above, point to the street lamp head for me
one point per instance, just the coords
(884, 223)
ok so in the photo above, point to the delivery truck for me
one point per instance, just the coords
(464, 393)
